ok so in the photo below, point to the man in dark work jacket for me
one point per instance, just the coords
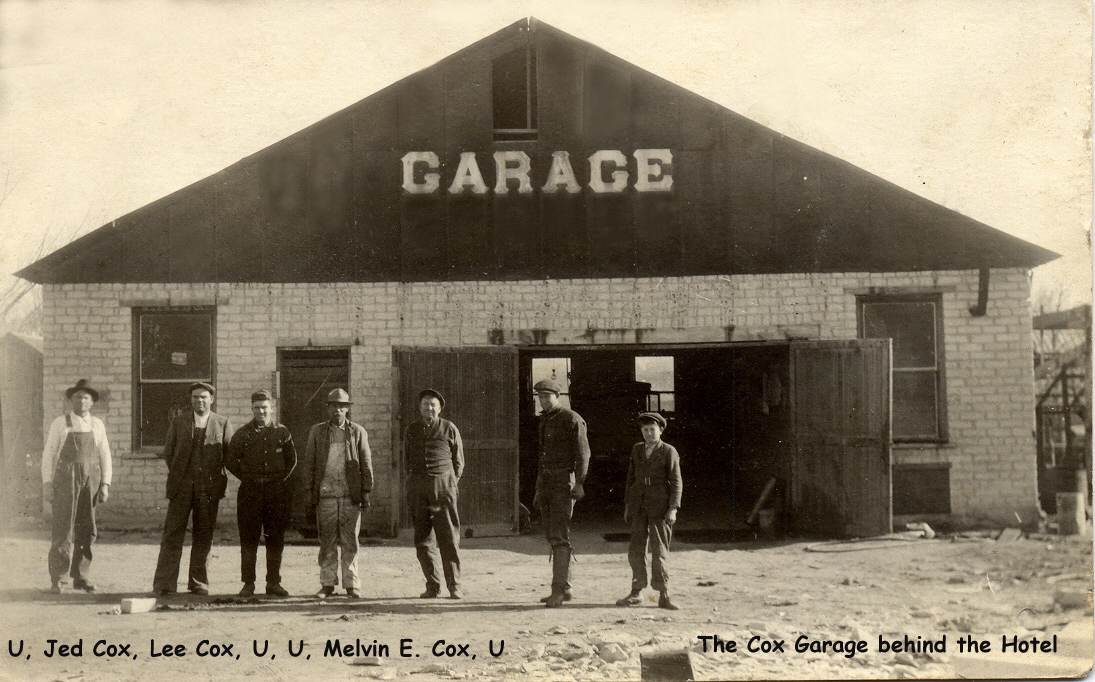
(564, 461)
(262, 456)
(435, 460)
(194, 452)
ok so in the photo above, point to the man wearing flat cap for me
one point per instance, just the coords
(194, 452)
(338, 477)
(76, 475)
(263, 457)
(434, 457)
(653, 494)
(564, 461)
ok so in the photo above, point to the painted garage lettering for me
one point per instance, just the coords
(608, 173)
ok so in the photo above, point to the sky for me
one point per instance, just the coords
(980, 105)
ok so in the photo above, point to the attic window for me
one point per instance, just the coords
(514, 91)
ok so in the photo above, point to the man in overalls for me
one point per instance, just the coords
(76, 474)
(338, 478)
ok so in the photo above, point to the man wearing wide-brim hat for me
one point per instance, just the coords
(76, 476)
(194, 450)
(338, 478)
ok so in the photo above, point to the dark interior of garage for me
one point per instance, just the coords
(727, 412)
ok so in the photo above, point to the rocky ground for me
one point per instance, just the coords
(814, 601)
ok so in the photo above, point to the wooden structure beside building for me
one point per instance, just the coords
(21, 427)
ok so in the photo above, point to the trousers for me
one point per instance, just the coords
(339, 522)
(203, 507)
(263, 508)
(433, 500)
(657, 534)
(553, 491)
(75, 488)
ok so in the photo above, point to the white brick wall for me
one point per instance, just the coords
(88, 334)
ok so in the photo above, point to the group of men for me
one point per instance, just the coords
(337, 479)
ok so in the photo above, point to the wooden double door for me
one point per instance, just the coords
(838, 460)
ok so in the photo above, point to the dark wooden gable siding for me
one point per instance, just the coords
(326, 204)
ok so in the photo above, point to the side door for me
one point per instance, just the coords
(307, 375)
(840, 419)
(480, 389)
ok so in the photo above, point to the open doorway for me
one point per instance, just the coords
(727, 412)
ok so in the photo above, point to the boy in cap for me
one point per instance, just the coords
(564, 461)
(338, 477)
(194, 451)
(653, 495)
(76, 474)
(263, 457)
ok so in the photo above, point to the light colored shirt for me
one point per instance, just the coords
(200, 422)
(58, 433)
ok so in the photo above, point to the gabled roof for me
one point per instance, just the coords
(326, 204)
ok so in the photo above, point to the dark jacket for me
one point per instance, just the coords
(261, 453)
(359, 462)
(563, 442)
(210, 465)
(654, 482)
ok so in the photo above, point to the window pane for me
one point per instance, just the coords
(159, 405)
(510, 89)
(656, 371)
(176, 346)
(911, 325)
(914, 405)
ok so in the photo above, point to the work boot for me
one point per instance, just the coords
(664, 602)
(632, 599)
(325, 591)
(567, 596)
(248, 590)
(353, 593)
(81, 584)
(55, 587)
(560, 576)
(276, 590)
(430, 593)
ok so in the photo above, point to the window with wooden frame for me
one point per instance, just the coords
(914, 323)
(513, 86)
(172, 348)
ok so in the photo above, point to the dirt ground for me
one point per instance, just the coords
(752, 595)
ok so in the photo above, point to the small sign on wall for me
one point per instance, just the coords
(178, 358)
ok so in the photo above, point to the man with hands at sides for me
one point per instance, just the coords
(338, 477)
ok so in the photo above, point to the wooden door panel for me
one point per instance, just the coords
(840, 407)
(480, 389)
(307, 376)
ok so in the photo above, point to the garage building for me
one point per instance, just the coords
(533, 206)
